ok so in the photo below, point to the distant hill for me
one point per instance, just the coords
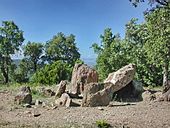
(90, 61)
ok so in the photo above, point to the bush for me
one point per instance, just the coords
(102, 124)
(53, 73)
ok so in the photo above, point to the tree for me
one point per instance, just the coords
(158, 45)
(111, 53)
(33, 52)
(149, 73)
(151, 2)
(10, 40)
(62, 48)
(22, 73)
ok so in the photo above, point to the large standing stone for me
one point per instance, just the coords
(82, 75)
(61, 88)
(24, 96)
(122, 77)
(97, 94)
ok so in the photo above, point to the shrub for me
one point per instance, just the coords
(102, 124)
(53, 73)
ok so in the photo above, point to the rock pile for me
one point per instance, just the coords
(101, 94)
(84, 83)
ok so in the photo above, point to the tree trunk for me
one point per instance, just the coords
(35, 66)
(5, 70)
(5, 74)
(166, 86)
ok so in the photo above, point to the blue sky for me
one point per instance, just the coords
(86, 19)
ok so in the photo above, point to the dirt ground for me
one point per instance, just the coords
(137, 115)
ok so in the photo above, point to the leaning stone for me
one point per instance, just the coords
(122, 77)
(61, 88)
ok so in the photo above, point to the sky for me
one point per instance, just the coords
(86, 19)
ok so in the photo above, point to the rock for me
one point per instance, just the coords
(24, 96)
(82, 75)
(38, 102)
(100, 108)
(122, 77)
(46, 91)
(54, 107)
(97, 94)
(25, 89)
(64, 100)
(27, 105)
(165, 96)
(36, 113)
(61, 88)
(148, 96)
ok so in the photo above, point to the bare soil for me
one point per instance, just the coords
(137, 115)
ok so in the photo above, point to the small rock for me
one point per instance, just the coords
(54, 107)
(36, 113)
(43, 104)
(100, 108)
(27, 112)
(27, 105)
(38, 102)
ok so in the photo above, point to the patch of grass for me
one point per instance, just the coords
(36, 94)
(102, 124)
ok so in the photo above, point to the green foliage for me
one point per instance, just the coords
(102, 124)
(52, 73)
(111, 53)
(62, 48)
(151, 2)
(158, 45)
(22, 73)
(33, 52)
(147, 72)
(146, 45)
(11, 39)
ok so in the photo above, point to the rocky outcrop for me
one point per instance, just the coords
(82, 75)
(61, 88)
(24, 96)
(97, 94)
(122, 77)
